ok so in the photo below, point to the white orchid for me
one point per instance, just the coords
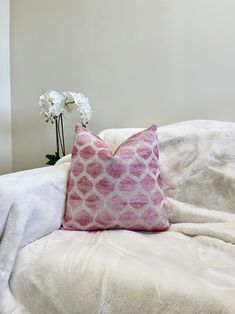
(54, 107)
(69, 104)
(54, 104)
(54, 97)
(85, 110)
(44, 104)
(80, 101)
(51, 104)
(76, 98)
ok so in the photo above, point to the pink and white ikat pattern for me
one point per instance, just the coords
(120, 190)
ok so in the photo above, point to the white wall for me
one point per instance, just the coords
(139, 61)
(5, 102)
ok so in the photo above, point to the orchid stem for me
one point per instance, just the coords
(57, 137)
(62, 131)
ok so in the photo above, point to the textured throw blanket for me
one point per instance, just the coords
(188, 269)
(31, 206)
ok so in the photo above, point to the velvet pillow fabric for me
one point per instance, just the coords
(120, 190)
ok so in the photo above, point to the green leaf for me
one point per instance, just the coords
(52, 159)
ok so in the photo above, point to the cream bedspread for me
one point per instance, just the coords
(189, 269)
(127, 272)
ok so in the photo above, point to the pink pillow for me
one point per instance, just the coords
(120, 190)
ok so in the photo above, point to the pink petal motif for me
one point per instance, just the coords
(139, 201)
(105, 219)
(140, 228)
(137, 168)
(84, 185)
(153, 166)
(100, 144)
(161, 226)
(87, 152)
(105, 187)
(104, 154)
(94, 228)
(77, 168)
(148, 183)
(152, 128)
(125, 153)
(67, 217)
(116, 203)
(94, 202)
(150, 215)
(156, 151)
(131, 142)
(83, 139)
(117, 227)
(116, 169)
(75, 200)
(74, 152)
(127, 185)
(70, 185)
(149, 137)
(157, 198)
(95, 169)
(159, 180)
(144, 152)
(128, 217)
(83, 218)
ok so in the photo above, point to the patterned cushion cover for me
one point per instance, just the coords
(120, 190)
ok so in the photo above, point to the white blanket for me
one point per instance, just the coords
(129, 272)
(31, 206)
(189, 269)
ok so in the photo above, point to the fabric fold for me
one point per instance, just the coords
(31, 206)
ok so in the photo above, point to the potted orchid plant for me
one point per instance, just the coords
(54, 107)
